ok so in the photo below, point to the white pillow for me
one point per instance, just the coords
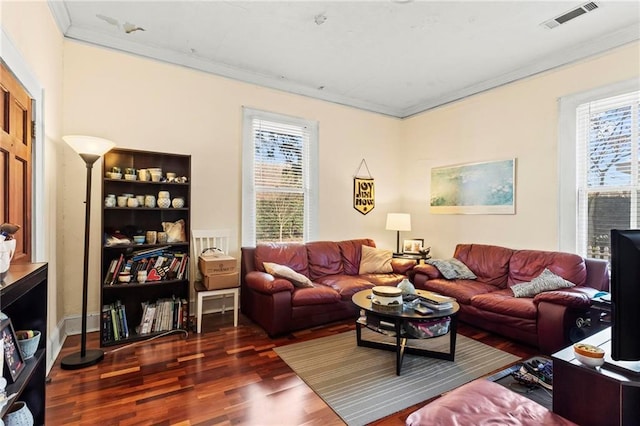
(546, 281)
(282, 271)
(375, 261)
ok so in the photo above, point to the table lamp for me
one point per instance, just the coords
(398, 222)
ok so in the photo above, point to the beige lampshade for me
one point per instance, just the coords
(89, 144)
(398, 222)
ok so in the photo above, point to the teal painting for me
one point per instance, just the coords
(474, 188)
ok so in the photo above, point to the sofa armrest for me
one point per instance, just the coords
(267, 283)
(429, 270)
(402, 266)
(577, 297)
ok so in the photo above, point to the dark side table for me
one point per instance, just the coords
(414, 256)
(594, 396)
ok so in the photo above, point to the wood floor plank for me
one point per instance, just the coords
(224, 376)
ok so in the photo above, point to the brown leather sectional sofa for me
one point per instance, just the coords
(488, 302)
(280, 307)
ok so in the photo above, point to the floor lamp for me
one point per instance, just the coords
(90, 149)
(398, 222)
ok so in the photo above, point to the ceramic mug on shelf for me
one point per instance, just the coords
(162, 237)
(149, 201)
(178, 202)
(143, 174)
(122, 201)
(140, 199)
(152, 237)
(142, 276)
(132, 202)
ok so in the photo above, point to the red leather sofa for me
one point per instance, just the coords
(543, 321)
(280, 307)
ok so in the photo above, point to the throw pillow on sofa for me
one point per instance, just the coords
(375, 261)
(546, 281)
(282, 271)
(452, 269)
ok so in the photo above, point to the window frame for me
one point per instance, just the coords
(248, 173)
(567, 155)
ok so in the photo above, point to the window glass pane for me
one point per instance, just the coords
(607, 211)
(610, 148)
(279, 217)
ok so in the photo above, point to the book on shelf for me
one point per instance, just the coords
(164, 315)
(170, 265)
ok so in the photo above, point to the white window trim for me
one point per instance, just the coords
(248, 219)
(567, 168)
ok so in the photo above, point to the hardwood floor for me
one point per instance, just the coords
(223, 376)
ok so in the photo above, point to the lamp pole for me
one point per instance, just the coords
(85, 358)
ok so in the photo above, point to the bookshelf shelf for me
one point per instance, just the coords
(23, 298)
(125, 302)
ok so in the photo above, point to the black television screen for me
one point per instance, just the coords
(625, 294)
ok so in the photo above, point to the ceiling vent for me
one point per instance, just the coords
(567, 16)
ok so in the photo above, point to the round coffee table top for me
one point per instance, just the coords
(362, 299)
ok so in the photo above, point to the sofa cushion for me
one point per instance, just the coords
(503, 302)
(318, 295)
(293, 255)
(489, 263)
(324, 259)
(282, 271)
(452, 269)
(345, 285)
(461, 290)
(525, 265)
(351, 251)
(375, 261)
(384, 279)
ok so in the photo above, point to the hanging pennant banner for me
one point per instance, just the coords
(364, 199)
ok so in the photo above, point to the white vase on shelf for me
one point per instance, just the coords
(19, 415)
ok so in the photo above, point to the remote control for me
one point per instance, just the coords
(422, 310)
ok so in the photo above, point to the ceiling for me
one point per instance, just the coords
(394, 57)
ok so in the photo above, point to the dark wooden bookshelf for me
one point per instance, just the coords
(23, 298)
(131, 221)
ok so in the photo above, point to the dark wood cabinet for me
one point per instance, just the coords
(23, 298)
(129, 298)
(594, 396)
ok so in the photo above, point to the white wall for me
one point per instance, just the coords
(517, 120)
(143, 104)
(31, 32)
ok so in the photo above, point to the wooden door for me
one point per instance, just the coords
(15, 160)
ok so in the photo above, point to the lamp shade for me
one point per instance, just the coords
(398, 222)
(88, 144)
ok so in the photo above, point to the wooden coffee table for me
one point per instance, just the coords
(397, 318)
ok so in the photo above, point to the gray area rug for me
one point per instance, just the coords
(361, 385)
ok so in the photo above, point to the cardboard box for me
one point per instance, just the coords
(211, 263)
(218, 281)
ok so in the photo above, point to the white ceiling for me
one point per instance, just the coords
(395, 57)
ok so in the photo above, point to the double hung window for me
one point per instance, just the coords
(279, 178)
(607, 160)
